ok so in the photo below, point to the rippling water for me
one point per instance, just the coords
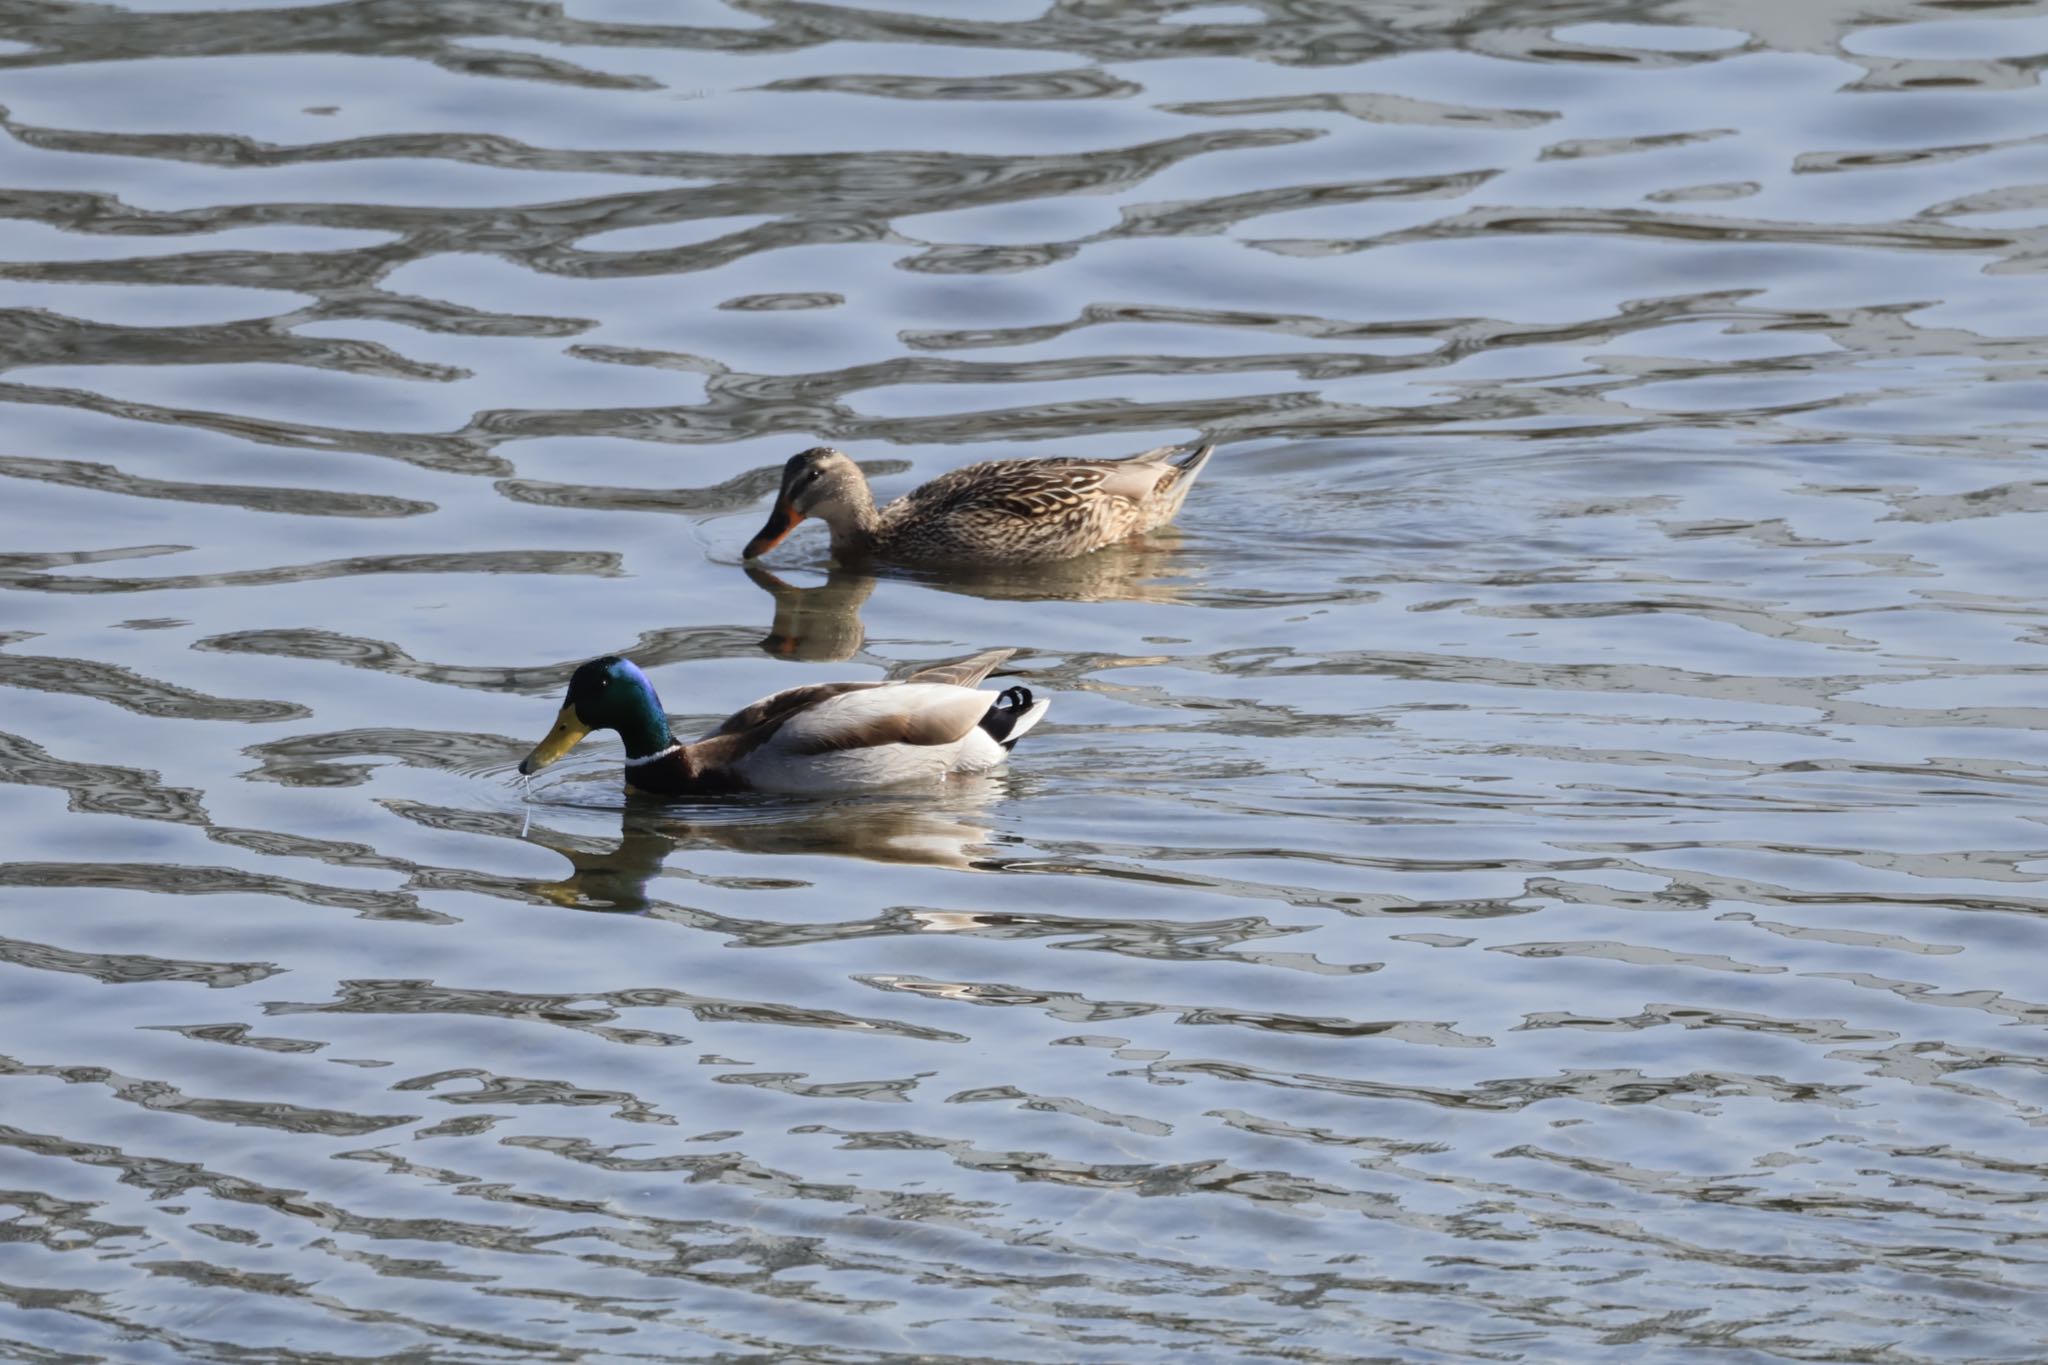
(1543, 864)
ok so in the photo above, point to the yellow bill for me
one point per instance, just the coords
(560, 740)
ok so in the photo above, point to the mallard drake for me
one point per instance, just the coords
(1001, 512)
(821, 737)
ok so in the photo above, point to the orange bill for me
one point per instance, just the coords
(782, 519)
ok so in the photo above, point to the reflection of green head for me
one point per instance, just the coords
(605, 694)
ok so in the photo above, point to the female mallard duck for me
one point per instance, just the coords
(822, 737)
(1002, 512)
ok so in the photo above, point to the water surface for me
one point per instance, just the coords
(1543, 864)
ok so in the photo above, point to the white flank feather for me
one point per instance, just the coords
(856, 739)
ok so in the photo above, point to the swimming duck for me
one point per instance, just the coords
(1001, 512)
(820, 737)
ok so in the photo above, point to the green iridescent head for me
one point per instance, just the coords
(605, 694)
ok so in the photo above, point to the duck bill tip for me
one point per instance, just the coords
(568, 730)
(782, 519)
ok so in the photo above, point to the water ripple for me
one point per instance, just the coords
(1543, 861)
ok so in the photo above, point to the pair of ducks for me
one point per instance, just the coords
(852, 735)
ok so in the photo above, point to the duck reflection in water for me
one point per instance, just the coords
(815, 625)
(942, 830)
(822, 624)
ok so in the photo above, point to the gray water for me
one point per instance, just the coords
(1543, 864)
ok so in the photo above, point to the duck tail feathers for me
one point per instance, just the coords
(1013, 714)
(1191, 459)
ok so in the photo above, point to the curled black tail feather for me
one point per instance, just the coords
(1010, 704)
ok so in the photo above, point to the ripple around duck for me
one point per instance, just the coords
(1543, 861)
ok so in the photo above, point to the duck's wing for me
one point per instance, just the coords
(964, 673)
(781, 705)
(1027, 490)
(915, 713)
(1033, 489)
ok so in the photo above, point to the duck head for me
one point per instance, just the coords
(605, 694)
(821, 482)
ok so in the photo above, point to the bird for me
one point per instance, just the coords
(822, 737)
(997, 513)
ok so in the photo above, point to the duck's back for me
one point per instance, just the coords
(1019, 511)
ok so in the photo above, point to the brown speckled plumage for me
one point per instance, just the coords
(1000, 512)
